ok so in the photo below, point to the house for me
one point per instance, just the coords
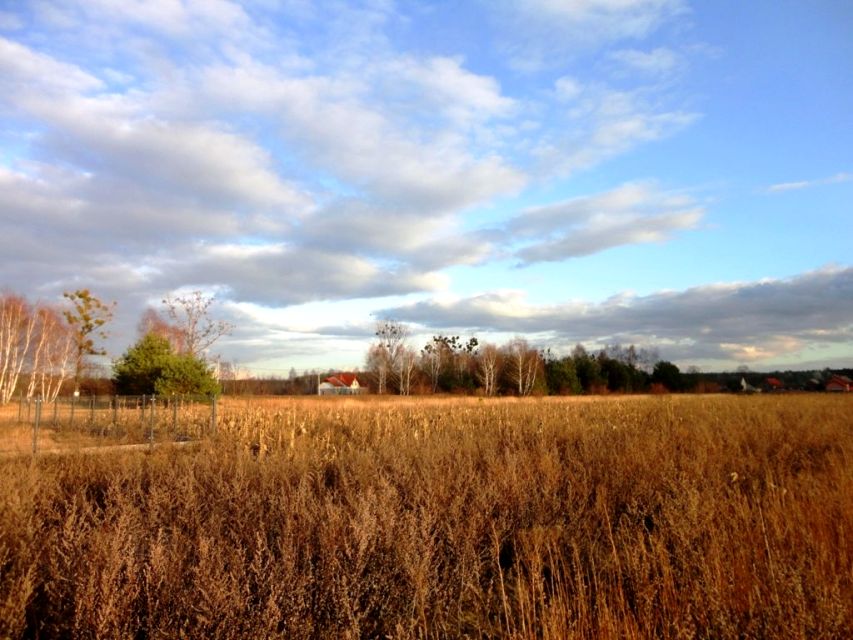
(839, 383)
(341, 384)
(774, 384)
(748, 388)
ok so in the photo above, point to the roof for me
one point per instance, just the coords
(775, 382)
(342, 380)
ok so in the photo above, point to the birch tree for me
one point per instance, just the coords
(17, 326)
(50, 362)
(522, 365)
(489, 368)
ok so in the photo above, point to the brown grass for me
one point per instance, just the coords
(702, 517)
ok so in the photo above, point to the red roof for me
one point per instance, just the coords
(342, 380)
(775, 383)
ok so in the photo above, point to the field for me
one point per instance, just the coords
(652, 517)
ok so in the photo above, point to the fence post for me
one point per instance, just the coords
(73, 404)
(174, 413)
(55, 416)
(151, 417)
(115, 411)
(213, 415)
(142, 408)
(36, 426)
(21, 408)
(29, 402)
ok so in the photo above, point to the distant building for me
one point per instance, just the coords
(748, 388)
(341, 384)
(839, 383)
(774, 384)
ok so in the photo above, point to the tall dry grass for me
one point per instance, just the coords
(706, 517)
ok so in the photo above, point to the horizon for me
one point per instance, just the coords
(662, 173)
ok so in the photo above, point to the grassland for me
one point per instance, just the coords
(669, 517)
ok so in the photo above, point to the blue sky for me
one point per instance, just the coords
(658, 172)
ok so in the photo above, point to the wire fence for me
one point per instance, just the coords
(93, 421)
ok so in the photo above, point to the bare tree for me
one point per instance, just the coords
(86, 318)
(433, 357)
(17, 327)
(405, 368)
(153, 322)
(378, 365)
(522, 365)
(50, 360)
(190, 316)
(392, 337)
(488, 368)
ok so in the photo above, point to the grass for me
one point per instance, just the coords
(670, 517)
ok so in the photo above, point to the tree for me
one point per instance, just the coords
(151, 366)
(51, 355)
(405, 368)
(587, 369)
(384, 357)
(522, 365)
(17, 328)
(560, 375)
(190, 317)
(489, 368)
(186, 374)
(138, 370)
(667, 374)
(152, 321)
(378, 366)
(86, 319)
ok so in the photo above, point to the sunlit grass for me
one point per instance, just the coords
(714, 517)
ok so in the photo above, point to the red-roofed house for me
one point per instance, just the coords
(775, 384)
(839, 383)
(341, 384)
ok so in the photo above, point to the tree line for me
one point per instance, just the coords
(452, 364)
(46, 348)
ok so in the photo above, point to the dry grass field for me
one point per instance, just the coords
(657, 517)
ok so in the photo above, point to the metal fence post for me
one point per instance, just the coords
(36, 426)
(151, 418)
(55, 405)
(213, 415)
(115, 411)
(73, 404)
(21, 408)
(174, 413)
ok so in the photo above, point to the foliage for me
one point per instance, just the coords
(560, 375)
(669, 375)
(87, 318)
(150, 366)
(139, 369)
(186, 374)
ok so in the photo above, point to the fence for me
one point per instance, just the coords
(110, 420)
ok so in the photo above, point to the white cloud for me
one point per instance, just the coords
(635, 213)
(805, 184)
(657, 62)
(603, 123)
(747, 321)
(540, 33)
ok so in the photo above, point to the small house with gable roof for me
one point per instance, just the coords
(341, 384)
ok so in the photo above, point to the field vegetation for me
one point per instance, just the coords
(655, 517)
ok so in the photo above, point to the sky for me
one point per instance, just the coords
(670, 174)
